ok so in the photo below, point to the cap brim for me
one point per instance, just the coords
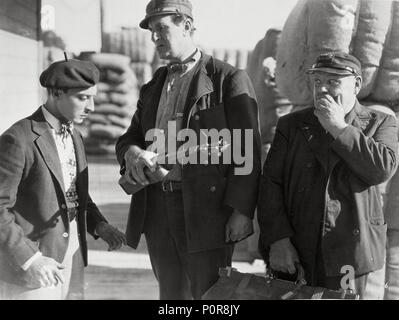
(144, 24)
(330, 70)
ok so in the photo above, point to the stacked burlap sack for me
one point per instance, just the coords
(368, 29)
(136, 44)
(271, 103)
(115, 102)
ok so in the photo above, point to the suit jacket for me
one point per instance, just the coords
(220, 97)
(316, 187)
(33, 214)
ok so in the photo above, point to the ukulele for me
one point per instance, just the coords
(160, 172)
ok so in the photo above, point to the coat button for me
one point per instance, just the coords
(196, 117)
(63, 206)
(356, 232)
(309, 165)
(301, 189)
(65, 234)
(213, 189)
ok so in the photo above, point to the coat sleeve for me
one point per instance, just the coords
(372, 159)
(272, 213)
(12, 165)
(93, 218)
(242, 113)
(133, 135)
(392, 203)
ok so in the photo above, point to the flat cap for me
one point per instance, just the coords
(166, 7)
(340, 63)
(70, 74)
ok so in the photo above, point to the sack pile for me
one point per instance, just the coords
(368, 29)
(115, 102)
(136, 44)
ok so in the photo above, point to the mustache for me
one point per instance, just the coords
(324, 95)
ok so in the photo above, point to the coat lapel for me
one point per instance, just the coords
(46, 145)
(362, 118)
(316, 137)
(201, 85)
(81, 163)
(150, 106)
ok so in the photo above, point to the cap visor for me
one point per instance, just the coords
(330, 70)
(144, 24)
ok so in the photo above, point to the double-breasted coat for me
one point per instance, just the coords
(320, 191)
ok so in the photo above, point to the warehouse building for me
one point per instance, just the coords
(20, 59)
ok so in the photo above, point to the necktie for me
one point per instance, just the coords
(180, 67)
(66, 130)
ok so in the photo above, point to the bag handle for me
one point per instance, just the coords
(300, 279)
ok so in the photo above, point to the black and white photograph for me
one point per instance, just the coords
(216, 151)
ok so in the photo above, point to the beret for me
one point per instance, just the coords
(340, 63)
(166, 7)
(70, 74)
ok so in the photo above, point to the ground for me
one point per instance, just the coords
(127, 274)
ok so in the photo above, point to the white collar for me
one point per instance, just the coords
(53, 121)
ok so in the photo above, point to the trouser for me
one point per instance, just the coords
(181, 275)
(392, 266)
(71, 289)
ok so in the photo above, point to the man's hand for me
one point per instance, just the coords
(283, 256)
(331, 114)
(111, 235)
(44, 272)
(238, 227)
(136, 160)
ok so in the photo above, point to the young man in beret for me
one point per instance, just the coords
(320, 204)
(45, 207)
(193, 217)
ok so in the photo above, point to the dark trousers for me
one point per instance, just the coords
(181, 275)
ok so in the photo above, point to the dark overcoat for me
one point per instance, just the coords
(314, 187)
(220, 97)
(33, 212)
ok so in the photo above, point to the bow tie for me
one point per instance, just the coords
(66, 130)
(180, 67)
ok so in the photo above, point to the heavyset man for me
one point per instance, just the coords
(45, 207)
(319, 200)
(192, 218)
